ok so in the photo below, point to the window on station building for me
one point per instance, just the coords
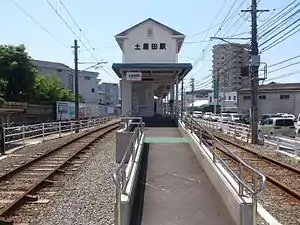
(145, 46)
(93, 90)
(229, 97)
(149, 32)
(246, 97)
(234, 98)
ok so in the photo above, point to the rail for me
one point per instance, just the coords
(123, 172)
(253, 187)
(18, 135)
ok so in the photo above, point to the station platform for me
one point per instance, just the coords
(177, 189)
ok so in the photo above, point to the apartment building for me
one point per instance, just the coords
(109, 93)
(228, 60)
(88, 81)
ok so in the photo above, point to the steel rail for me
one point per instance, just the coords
(272, 180)
(20, 199)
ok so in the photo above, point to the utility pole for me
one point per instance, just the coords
(192, 84)
(255, 62)
(76, 85)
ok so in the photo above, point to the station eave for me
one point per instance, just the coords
(183, 68)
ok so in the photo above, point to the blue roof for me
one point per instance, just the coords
(184, 67)
(124, 33)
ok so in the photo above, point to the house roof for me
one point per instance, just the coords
(125, 32)
(275, 86)
(51, 65)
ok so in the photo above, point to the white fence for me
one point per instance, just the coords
(20, 134)
(243, 132)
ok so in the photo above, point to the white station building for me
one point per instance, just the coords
(150, 68)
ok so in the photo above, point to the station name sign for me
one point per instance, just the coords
(134, 76)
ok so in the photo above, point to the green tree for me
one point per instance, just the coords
(48, 90)
(17, 72)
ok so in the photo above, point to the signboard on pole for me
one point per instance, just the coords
(216, 89)
(134, 76)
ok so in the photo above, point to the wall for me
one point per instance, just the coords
(230, 103)
(139, 36)
(272, 103)
(88, 82)
(144, 92)
(111, 93)
(88, 87)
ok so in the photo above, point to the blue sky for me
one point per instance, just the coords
(101, 20)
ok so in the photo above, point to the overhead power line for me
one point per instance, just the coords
(39, 24)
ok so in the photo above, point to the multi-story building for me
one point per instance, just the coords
(198, 95)
(109, 94)
(228, 60)
(88, 81)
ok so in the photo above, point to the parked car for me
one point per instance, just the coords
(278, 126)
(224, 117)
(234, 117)
(266, 116)
(289, 116)
(245, 119)
(207, 115)
(197, 114)
(214, 117)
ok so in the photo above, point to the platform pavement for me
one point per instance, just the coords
(177, 189)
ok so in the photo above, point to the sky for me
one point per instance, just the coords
(46, 37)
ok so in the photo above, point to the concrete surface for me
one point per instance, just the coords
(177, 190)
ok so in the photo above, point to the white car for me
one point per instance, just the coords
(278, 126)
(214, 117)
(224, 117)
(289, 116)
(197, 114)
(234, 117)
(207, 115)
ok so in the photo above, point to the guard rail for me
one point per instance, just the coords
(242, 131)
(20, 134)
(124, 170)
(251, 183)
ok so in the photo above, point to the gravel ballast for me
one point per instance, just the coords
(25, 154)
(88, 196)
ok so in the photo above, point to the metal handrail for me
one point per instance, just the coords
(253, 189)
(121, 176)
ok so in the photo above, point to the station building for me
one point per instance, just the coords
(149, 68)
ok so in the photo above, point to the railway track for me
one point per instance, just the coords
(23, 185)
(283, 181)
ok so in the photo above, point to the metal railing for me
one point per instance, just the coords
(123, 172)
(20, 134)
(257, 180)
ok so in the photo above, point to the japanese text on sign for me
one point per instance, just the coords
(134, 76)
(153, 46)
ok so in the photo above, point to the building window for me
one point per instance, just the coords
(59, 70)
(284, 96)
(234, 98)
(210, 99)
(149, 32)
(93, 90)
(247, 97)
(229, 97)
(154, 46)
(87, 77)
(162, 46)
(262, 97)
(145, 46)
